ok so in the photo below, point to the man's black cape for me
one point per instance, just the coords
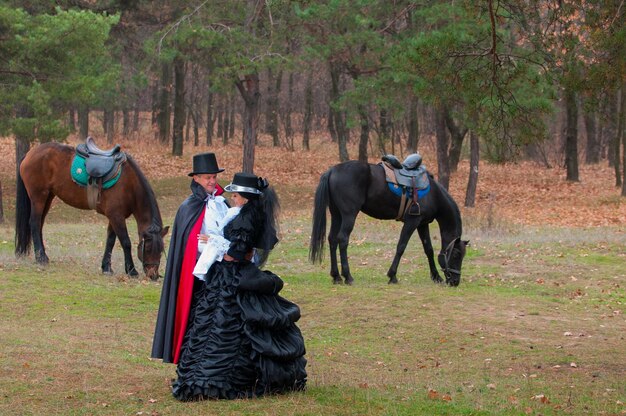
(186, 216)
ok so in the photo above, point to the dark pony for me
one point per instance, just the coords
(353, 186)
(45, 173)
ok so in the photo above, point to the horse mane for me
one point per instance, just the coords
(156, 226)
(454, 207)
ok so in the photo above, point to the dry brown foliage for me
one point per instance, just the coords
(523, 193)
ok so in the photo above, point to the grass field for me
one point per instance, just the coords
(537, 326)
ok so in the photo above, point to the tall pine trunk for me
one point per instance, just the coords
(621, 137)
(472, 182)
(365, 134)
(287, 110)
(441, 133)
(210, 115)
(337, 119)
(571, 136)
(83, 121)
(249, 90)
(413, 135)
(179, 106)
(163, 112)
(308, 112)
(457, 135)
(592, 149)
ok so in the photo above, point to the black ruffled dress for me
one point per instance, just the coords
(241, 340)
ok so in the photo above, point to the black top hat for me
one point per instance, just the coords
(205, 163)
(246, 183)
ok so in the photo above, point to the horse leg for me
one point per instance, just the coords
(38, 212)
(335, 224)
(108, 249)
(119, 228)
(343, 238)
(405, 236)
(424, 233)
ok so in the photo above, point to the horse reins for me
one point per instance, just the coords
(446, 257)
(143, 254)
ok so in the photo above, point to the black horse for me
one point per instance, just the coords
(354, 186)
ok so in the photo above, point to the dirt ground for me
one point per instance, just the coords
(522, 193)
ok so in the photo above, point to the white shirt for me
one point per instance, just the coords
(214, 212)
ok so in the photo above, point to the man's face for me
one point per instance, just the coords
(207, 181)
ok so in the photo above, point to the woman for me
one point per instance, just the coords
(241, 339)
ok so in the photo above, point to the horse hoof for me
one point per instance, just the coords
(393, 281)
(337, 281)
(108, 272)
(349, 281)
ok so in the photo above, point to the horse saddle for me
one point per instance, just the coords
(92, 164)
(410, 173)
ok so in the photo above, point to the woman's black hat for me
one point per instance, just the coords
(205, 163)
(246, 183)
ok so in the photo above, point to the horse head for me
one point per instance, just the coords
(451, 260)
(149, 250)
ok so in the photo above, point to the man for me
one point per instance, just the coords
(195, 219)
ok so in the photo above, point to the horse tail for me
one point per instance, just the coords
(318, 233)
(23, 234)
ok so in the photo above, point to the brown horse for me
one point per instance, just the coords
(45, 173)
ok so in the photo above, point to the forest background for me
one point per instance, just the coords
(516, 106)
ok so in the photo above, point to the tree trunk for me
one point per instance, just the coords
(220, 116)
(384, 131)
(109, 125)
(179, 106)
(287, 113)
(136, 118)
(621, 137)
(308, 111)
(571, 136)
(330, 124)
(249, 90)
(413, 135)
(125, 122)
(210, 116)
(83, 122)
(231, 116)
(472, 182)
(443, 162)
(271, 116)
(592, 153)
(196, 128)
(163, 115)
(342, 139)
(457, 134)
(365, 134)
(72, 120)
(226, 118)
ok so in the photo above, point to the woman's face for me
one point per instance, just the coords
(237, 199)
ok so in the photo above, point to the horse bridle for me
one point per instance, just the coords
(446, 258)
(142, 249)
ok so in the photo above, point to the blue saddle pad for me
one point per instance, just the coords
(397, 190)
(80, 176)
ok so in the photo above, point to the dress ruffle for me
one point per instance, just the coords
(240, 343)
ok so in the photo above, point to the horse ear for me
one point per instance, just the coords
(466, 242)
(165, 230)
